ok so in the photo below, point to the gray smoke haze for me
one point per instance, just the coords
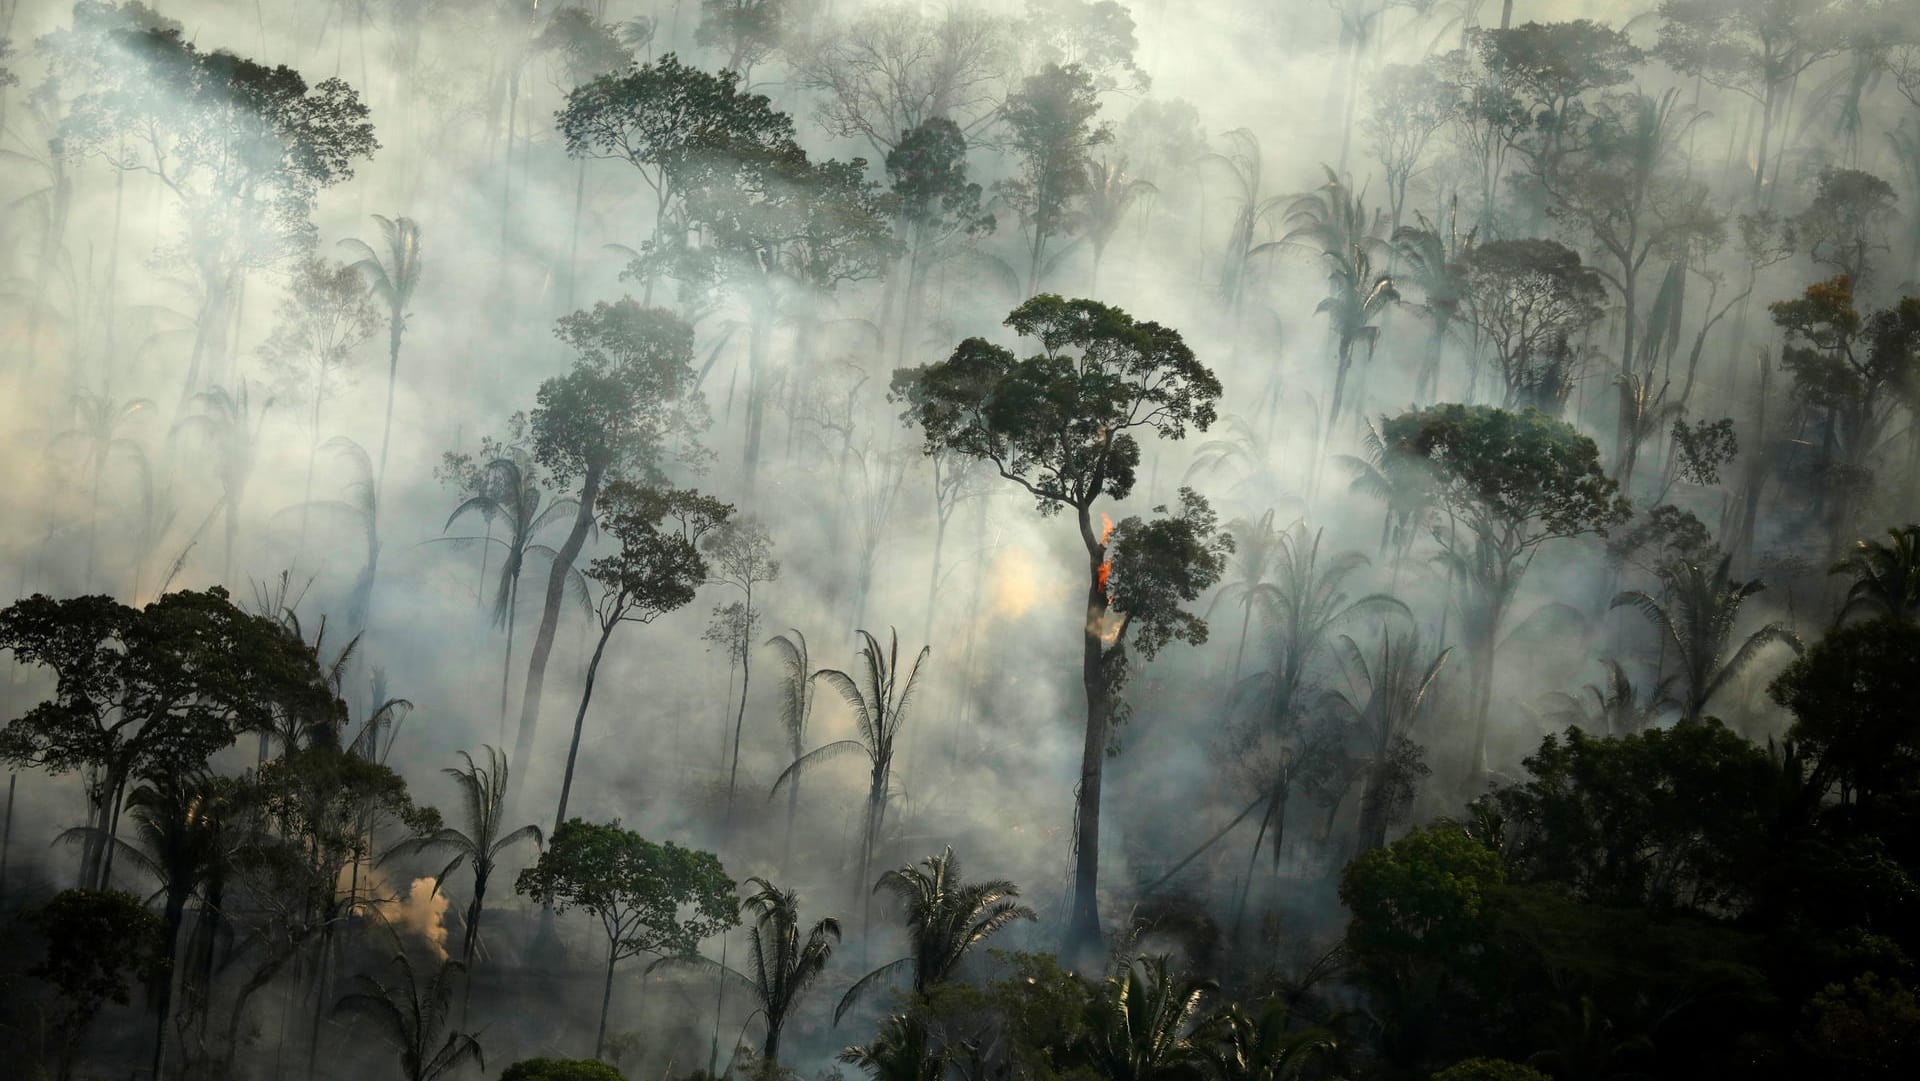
(109, 491)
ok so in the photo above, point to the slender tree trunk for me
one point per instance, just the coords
(759, 331)
(606, 1001)
(550, 623)
(506, 660)
(739, 724)
(1083, 922)
(579, 722)
(395, 329)
(573, 243)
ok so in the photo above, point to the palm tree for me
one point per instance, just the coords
(1432, 261)
(1383, 702)
(360, 512)
(785, 965)
(1697, 623)
(1402, 483)
(410, 1015)
(393, 280)
(903, 1050)
(1142, 1027)
(1259, 1047)
(1644, 412)
(880, 701)
(1110, 193)
(231, 428)
(178, 822)
(1245, 450)
(507, 491)
(1243, 162)
(1616, 709)
(1334, 221)
(1306, 602)
(1886, 575)
(96, 432)
(796, 709)
(483, 796)
(946, 917)
(1256, 545)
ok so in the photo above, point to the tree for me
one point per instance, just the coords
(1433, 260)
(1110, 195)
(323, 322)
(895, 68)
(1049, 123)
(411, 1014)
(656, 570)
(1410, 103)
(1623, 190)
(682, 128)
(629, 394)
(97, 430)
(1847, 367)
(1850, 694)
(506, 489)
(648, 897)
(1757, 48)
(244, 148)
(152, 691)
(1527, 300)
(1510, 482)
(797, 688)
(1886, 575)
(560, 1069)
(227, 421)
(880, 699)
(1145, 1023)
(180, 825)
(904, 1049)
(1260, 1045)
(786, 965)
(1384, 701)
(393, 281)
(98, 941)
(927, 174)
(1334, 222)
(1617, 706)
(946, 917)
(483, 800)
(1064, 425)
(1419, 902)
(1544, 71)
(742, 555)
(1846, 222)
(1698, 622)
(748, 31)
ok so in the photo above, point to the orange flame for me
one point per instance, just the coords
(1106, 528)
(1106, 568)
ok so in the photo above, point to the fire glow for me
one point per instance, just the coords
(1106, 565)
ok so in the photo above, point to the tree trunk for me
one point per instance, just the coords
(739, 725)
(549, 623)
(394, 330)
(1083, 922)
(579, 722)
(606, 1000)
(759, 330)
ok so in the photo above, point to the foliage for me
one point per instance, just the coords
(99, 943)
(1698, 621)
(560, 1069)
(1849, 695)
(411, 1014)
(1158, 564)
(649, 897)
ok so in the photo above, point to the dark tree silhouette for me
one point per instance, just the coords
(1062, 425)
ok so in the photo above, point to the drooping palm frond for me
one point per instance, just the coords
(1886, 576)
(1615, 707)
(1698, 623)
(1143, 1023)
(410, 1013)
(1262, 1046)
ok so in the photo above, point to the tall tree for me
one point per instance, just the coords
(1697, 622)
(411, 1015)
(1333, 222)
(946, 917)
(880, 698)
(1886, 575)
(1064, 424)
(648, 897)
(797, 688)
(150, 691)
(741, 551)
(629, 396)
(244, 148)
(483, 802)
(1757, 48)
(785, 962)
(655, 570)
(393, 280)
(1510, 482)
(1527, 300)
(1050, 125)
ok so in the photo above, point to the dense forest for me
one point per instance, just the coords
(964, 540)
